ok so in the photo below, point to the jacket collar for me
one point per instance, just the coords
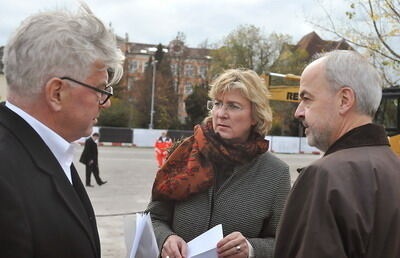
(365, 135)
(31, 140)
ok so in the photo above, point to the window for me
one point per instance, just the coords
(188, 88)
(130, 83)
(203, 71)
(144, 66)
(189, 71)
(174, 70)
(175, 84)
(134, 65)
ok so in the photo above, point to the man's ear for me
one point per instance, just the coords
(53, 93)
(347, 99)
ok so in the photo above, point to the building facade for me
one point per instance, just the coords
(189, 67)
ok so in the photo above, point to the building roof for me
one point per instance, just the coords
(135, 47)
(198, 52)
(144, 48)
(313, 44)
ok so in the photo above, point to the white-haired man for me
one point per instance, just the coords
(346, 204)
(56, 66)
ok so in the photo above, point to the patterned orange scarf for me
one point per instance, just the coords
(189, 169)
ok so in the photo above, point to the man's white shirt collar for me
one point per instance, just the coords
(62, 150)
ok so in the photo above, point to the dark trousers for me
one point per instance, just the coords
(93, 168)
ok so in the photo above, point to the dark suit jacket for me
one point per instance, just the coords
(42, 214)
(89, 152)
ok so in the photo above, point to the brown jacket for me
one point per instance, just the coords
(346, 204)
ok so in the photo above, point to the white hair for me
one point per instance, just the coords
(347, 68)
(55, 44)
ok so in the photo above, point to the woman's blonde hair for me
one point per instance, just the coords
(252, 88)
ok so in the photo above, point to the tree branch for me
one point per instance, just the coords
(356, 43)
(391, 7)
(378, 32)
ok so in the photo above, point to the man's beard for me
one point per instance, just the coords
(318, 138)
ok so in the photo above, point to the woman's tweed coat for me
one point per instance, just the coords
(250, 201)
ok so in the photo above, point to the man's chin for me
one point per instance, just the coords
(318, 145)
(311, 141)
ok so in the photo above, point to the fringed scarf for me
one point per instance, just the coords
(189, 169)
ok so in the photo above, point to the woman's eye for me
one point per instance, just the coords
(234, 107)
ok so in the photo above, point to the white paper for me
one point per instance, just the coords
(144, 244)
(129, 232)
(205, 245)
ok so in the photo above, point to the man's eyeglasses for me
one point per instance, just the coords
(105, 94)
(216, 105)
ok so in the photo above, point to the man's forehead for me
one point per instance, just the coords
(315, 68)
(313, 75)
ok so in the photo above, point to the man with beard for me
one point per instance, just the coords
(346, 204)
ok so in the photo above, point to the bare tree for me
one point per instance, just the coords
(372, 25)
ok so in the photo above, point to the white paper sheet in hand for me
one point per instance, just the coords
(144, 243)
(205, 245)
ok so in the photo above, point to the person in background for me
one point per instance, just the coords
(56, 66)
(223, 174)
(347, 203)
(89, 157)
(160, 147)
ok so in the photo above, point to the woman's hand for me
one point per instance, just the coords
(174, 247)
(233, 245)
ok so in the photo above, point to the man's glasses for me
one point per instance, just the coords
(105, 94)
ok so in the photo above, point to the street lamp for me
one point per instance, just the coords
(151, 125)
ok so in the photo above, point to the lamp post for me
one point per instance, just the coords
(151, 125)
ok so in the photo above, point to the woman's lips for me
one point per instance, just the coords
(221, 125)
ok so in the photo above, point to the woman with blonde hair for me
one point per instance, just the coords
(223, 174)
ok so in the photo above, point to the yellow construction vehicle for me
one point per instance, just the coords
(282, 92)
(387, 115)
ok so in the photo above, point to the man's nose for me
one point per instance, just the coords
(107, 104)
(299, 113)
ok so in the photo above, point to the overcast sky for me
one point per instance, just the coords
(158, 21)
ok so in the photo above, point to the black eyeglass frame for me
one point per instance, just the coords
(107, 93)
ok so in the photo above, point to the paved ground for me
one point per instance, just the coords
(130, 173)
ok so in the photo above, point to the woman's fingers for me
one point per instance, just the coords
(174, 247)
(233, 245)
